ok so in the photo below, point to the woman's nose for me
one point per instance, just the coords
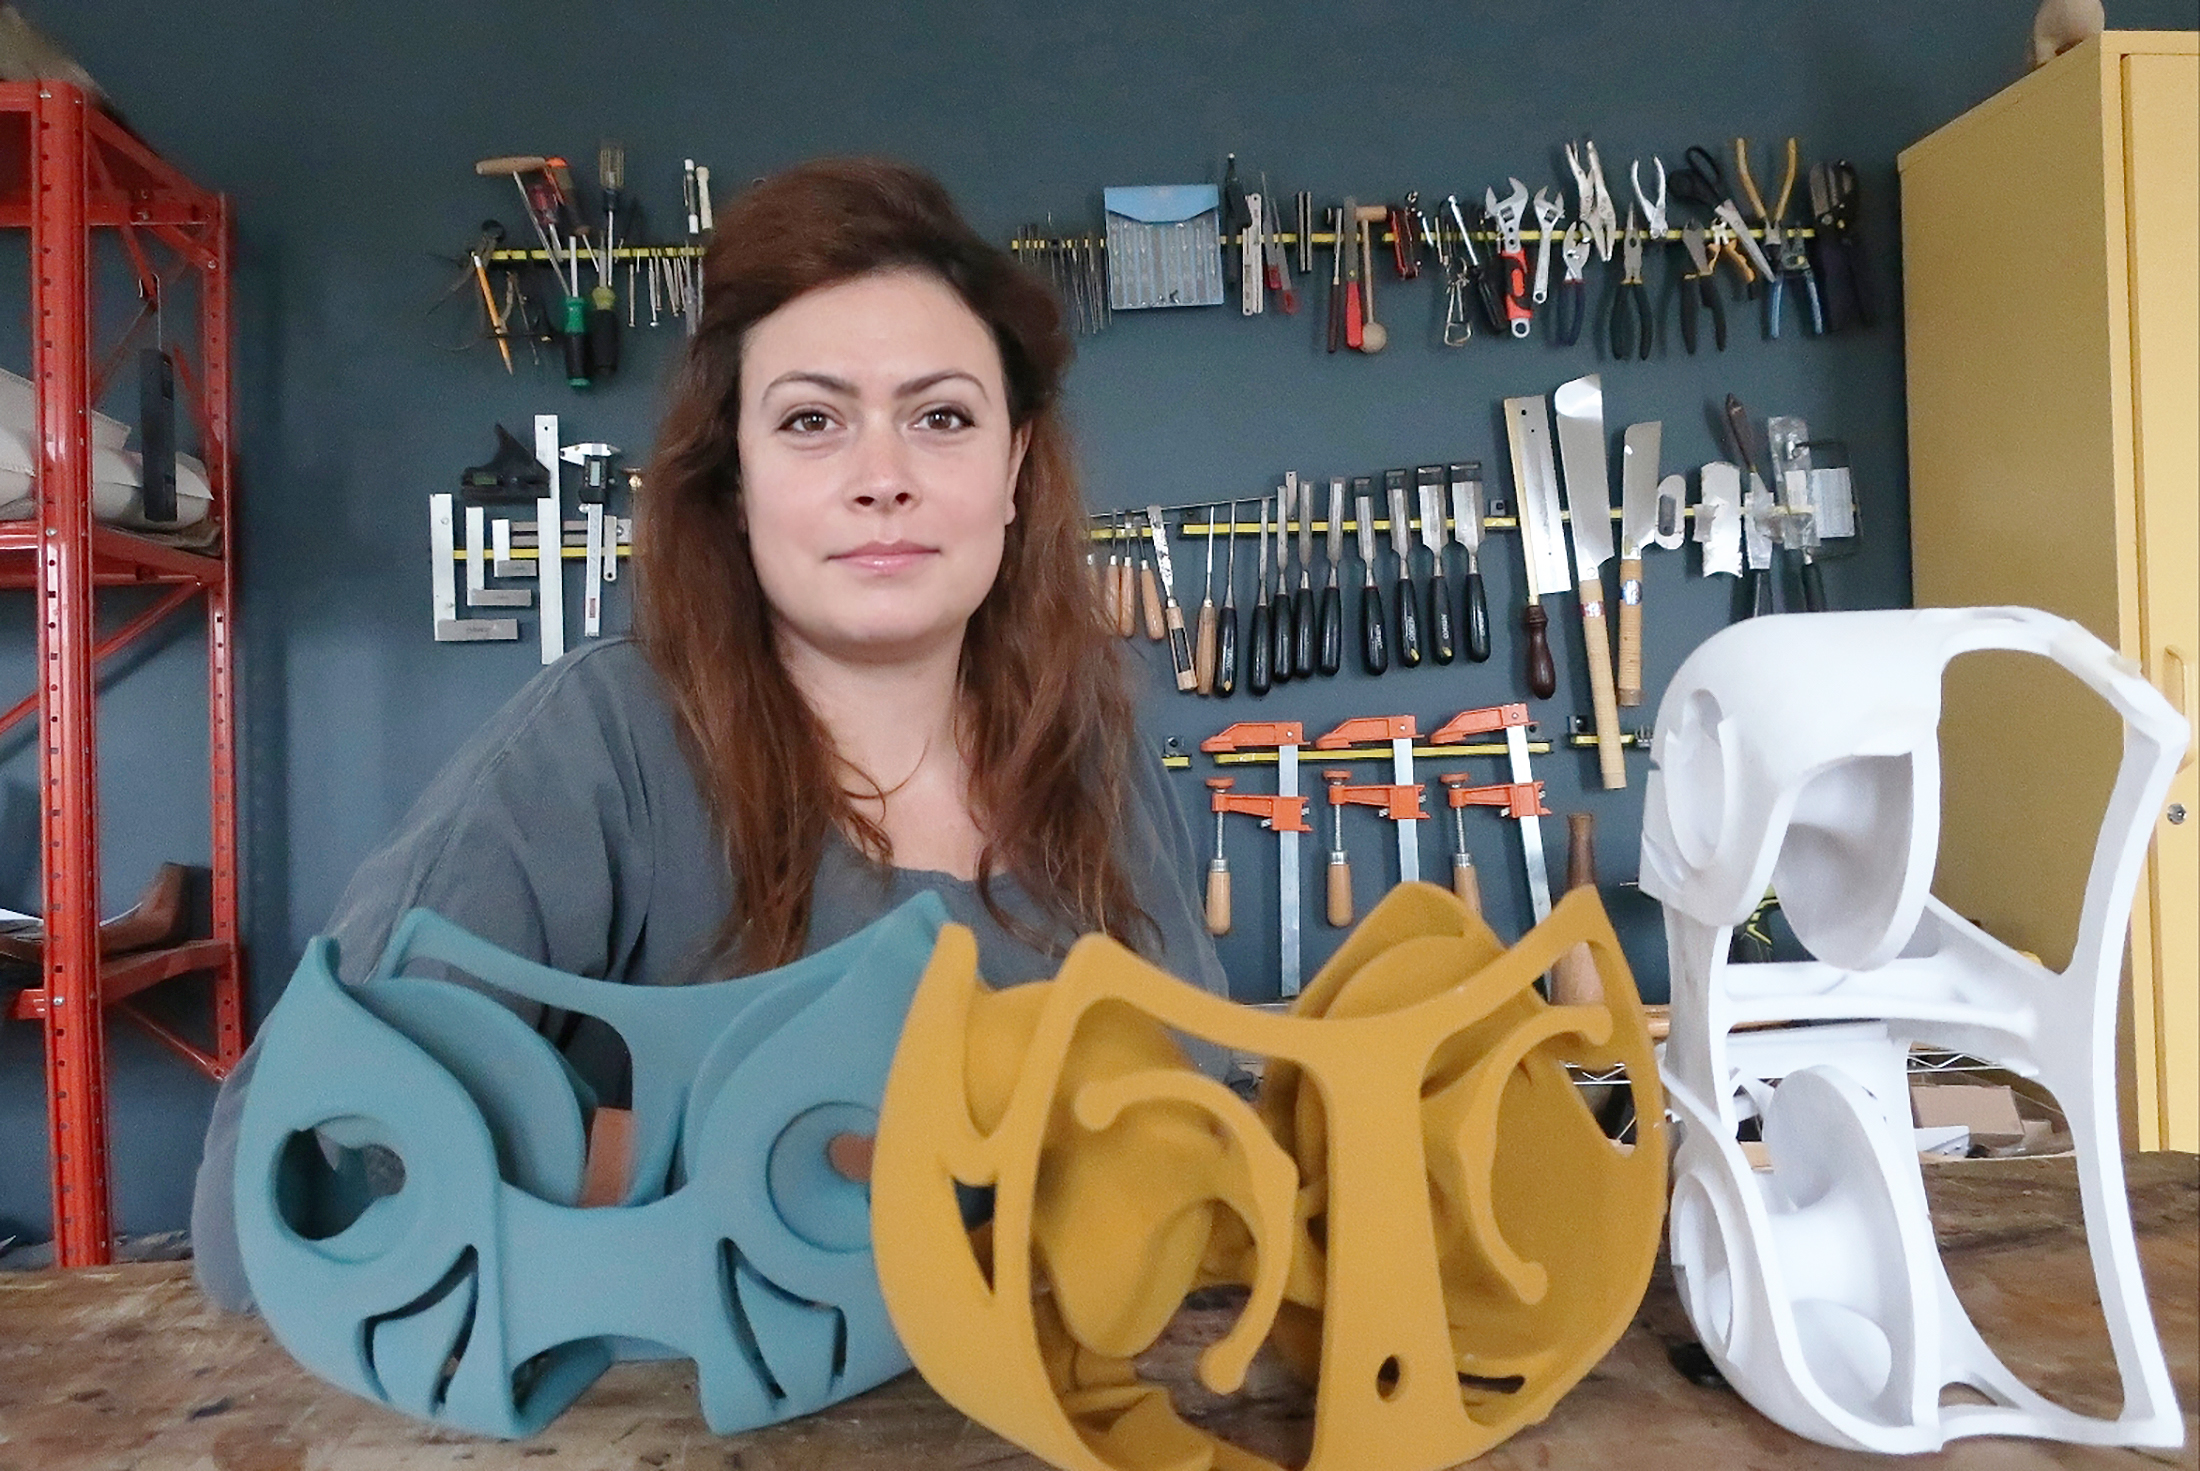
(881, 476)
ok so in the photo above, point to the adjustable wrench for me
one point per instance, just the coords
(1506, 213)
(1548, 213)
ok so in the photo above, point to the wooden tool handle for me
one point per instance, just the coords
(1126, 600)
(1218, 898)
(1149, 597)
(1465, 884)
(1340, 893)
(1574, 980)
(1203, 650)
(1542, 673)
(1581, 850)
(1630, 631)
(1611, 760)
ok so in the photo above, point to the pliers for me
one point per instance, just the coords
(1840, 263)
(1700, 287)
(1597, 210)
(1707, 169)
(1633, 295)
(1573, 291)
(1778, 243)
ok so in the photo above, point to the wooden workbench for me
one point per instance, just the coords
(127, 1367)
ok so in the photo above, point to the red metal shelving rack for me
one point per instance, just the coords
(69, 172)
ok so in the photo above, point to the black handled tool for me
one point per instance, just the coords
(1700, 286)
(1466, 518)
(1280, 660)
(1833, 204)
(1374, 623)
(1401, 542)
(1226, 627)
(1429, 489)
(1256, 677)
(1302, 603)
(1331, 620)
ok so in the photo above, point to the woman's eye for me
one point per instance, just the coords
(807, 421)
(945, 416)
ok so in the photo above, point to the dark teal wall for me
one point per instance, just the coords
(346, 133)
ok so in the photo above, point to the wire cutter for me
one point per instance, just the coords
(1573, 290)
(1633, 295)
(1776, 236)
(1700, 287)
(1714, 179)
(1840, 259)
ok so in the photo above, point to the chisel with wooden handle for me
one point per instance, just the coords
(1374, 624)
(1172, 614)
(1126, 581)
(1203, 648)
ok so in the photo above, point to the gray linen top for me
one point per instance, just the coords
(569, 830)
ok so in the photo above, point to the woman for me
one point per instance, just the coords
(867, 660)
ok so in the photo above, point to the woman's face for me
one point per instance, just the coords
(878, 466)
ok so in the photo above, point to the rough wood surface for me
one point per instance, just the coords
(128, 1368)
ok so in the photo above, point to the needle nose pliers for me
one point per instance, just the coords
(1633, 298)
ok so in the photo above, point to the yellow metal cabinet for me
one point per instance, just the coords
(2052, 317)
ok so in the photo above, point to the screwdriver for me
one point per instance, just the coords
(1374, 634)
(1226, 636)
(603, 314)
(1340, 865)
(1336, 282)
(1256, 678)
(1280, 662)
(1218, 867)
(1126, 580)
(1203, 653)
(1332, 608)
(1401, 541)
(1463, 881)
(1302, 606)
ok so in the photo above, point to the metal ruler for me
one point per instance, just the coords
(550, 543)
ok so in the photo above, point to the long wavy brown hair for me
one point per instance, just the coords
(1043, 700)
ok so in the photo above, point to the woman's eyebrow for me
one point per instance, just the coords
(842, 386)
(932, 380)
(825, 381)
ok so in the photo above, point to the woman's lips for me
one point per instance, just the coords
(885, 556)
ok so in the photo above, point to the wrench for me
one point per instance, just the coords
(1548, 213)
(1506, 213)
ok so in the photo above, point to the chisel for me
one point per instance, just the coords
(1466, 517)
(1429, 483)
(1401, 542)
(1226, 630)
(1302, 604)
(1180, 644)
(1256, 677)
(1280, 659)
(1579, 404)
(1149, 591)
(1203, 653)
(1111, 583)
(1374, 623)
(1332, 605)
(1126, 580)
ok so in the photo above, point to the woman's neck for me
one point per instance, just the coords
(897, 727)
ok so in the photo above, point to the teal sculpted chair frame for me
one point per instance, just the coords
(478, 1294)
